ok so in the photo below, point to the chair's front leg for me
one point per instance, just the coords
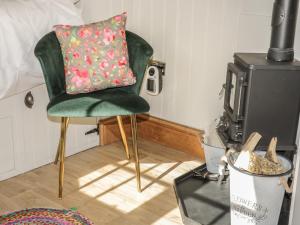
(123, 135)
(135, 150)
(59, 143)
(57, 153)
(62, 146)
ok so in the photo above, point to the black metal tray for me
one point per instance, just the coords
(204, 202)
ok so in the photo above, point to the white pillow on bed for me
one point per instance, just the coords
(22, 24)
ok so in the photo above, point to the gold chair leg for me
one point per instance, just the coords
(135, 149)
(58, 147)
(123, 135)
(57, 153)
(62, 146)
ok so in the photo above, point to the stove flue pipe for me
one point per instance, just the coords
(284, 21)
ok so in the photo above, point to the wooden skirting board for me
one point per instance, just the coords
(150, 128)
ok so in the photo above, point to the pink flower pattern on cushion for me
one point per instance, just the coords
(95, 55)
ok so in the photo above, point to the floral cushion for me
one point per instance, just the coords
(95, 55)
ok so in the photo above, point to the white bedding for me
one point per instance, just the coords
(22, 24)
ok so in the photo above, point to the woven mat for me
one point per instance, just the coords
(42, 216)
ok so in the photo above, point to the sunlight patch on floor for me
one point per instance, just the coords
(115, 184)
(105, 181)
(130, 201)
(118, 190)
(101, 172)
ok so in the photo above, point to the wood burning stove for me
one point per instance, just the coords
(262, 91)
(263, 96)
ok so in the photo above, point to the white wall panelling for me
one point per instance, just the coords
(29, 139)
(196, 38)
(8, 156)
(11, 148)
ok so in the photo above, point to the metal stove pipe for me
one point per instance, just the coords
(284, 21)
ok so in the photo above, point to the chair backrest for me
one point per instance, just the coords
(139, 52)
(48, 52)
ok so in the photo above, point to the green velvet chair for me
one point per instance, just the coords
(110, 102)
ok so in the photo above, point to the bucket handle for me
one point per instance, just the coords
(286, 186)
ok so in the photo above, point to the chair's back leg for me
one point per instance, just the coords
(123, 135)
(135, 150)
(62, 146)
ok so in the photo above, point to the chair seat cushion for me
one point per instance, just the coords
(109, 102)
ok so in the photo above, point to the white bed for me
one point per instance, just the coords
(22, 24)
(28, 139)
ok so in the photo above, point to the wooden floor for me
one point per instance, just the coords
(101, 184)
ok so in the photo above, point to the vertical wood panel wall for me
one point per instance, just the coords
(196, 38)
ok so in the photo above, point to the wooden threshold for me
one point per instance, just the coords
(154, 129)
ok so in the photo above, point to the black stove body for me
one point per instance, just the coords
(264, 96)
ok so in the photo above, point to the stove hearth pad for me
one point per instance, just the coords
(204, 201)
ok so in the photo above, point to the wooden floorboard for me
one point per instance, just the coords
(101, 184)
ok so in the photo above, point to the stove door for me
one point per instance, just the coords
(234, 92)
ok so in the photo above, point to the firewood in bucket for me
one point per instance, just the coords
(257, 164)
(263, 165)
(270, 163)
(271, 152)
(247, 160)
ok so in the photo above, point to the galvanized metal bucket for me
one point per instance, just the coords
(256, 199)
(213, 157)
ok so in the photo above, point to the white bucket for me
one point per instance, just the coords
(213, 156)
(256, 199)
